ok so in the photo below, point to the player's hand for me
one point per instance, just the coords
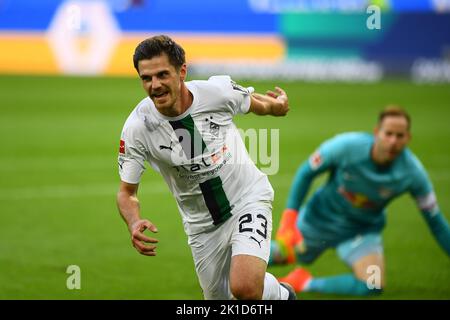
(140, 241)
(280, 108)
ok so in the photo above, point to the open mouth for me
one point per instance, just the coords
(160, 95)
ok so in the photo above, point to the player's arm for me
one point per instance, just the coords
(272, 103)
(287, 231)
(300, 186)
(422, 191)
(435, 220)
(128, 204)
(325, 158)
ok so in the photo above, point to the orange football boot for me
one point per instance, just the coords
(297, 279)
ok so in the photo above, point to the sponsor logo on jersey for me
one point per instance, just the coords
(358, 200)
(199, 170)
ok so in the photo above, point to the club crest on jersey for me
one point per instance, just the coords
(315, 161)
(214, 129)
(122, 146)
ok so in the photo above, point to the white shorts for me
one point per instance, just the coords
(247, 232)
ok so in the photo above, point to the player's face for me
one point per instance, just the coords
(392, 136)
(161, 81)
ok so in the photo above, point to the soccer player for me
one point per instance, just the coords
(348, 212)
(185, 131)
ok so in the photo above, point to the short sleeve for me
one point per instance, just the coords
(327, 155)
(422, 189)
(131, 158)
(239, 97)
(421, 184)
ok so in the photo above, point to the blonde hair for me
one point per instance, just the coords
(394, 111)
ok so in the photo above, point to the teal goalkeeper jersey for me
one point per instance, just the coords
(354, 198)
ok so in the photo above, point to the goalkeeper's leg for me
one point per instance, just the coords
(364, 254)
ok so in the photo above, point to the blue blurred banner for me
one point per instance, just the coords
(305, 39)
(202, 15)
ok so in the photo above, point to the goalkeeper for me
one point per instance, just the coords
(348, 212)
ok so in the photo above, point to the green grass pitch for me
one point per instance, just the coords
(59, 179)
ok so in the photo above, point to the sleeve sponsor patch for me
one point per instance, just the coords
(315, 160)
(122, 147)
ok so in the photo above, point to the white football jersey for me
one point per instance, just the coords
(200, 153)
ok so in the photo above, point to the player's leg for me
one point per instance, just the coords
(247, 275)
(250, 281)
(364, 254)
(356, 284)
(306, 252)
(212, 258)
(250, 253)
(370, 269)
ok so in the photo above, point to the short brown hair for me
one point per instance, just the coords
(156, 46)
(394, 111)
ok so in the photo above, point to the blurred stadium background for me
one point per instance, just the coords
(67, 85)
